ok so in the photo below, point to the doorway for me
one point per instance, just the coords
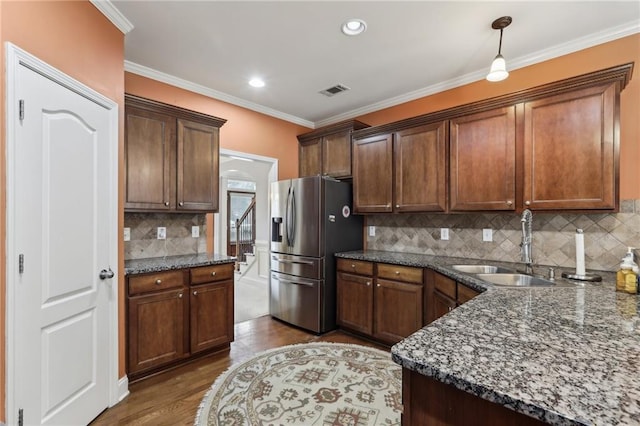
(241, 226)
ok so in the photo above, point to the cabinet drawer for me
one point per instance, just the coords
(445, 285)
(400, 273)
(155, 281)
(355, 266)
(466, 293)
(207, 274)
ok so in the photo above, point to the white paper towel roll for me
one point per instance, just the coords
(580, 269)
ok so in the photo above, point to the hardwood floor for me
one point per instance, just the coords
(173, 397)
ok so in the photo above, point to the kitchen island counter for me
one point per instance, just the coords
(167, 263)
(565, 356)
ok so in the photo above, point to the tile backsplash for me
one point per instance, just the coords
(606, 235)
(144, 242)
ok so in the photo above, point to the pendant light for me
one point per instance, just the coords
(498, 71)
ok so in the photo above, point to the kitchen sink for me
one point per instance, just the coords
(481, 269)
(520, 280)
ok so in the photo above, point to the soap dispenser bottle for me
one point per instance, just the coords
(627, 276)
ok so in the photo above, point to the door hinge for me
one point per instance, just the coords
(20, 417)
(20, 263)
(21, 108)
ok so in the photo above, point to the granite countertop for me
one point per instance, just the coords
(157, 264)
(567, 356)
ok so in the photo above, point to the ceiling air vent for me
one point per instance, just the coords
(334, 90)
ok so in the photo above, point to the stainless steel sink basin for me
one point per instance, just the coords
(516, 280)
(481, 269)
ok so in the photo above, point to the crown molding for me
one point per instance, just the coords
(113, 14)
(197, 88)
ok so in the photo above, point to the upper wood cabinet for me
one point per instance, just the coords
(570, 150)
(483, 161)
(402, 172)
(171, 157)
(327, 150)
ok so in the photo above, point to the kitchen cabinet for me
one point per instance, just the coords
(175, 315)
(171, 158)
(402, 171)
(327, 150)
(386, 304)
(443, 295)
(483, 161)
(570, 150)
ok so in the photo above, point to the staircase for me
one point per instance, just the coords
(242, 267)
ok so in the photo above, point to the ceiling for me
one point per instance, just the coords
(409, 50)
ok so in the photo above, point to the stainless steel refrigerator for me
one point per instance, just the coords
(311, 219)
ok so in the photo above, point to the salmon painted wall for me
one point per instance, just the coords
(78, 40)
(245, 130)
(606, 55)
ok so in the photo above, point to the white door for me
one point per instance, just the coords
(62, 231)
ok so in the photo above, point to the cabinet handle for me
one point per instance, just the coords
(450, 308)
(195, 293)
(353, 265)
(527, 203)
(213, 274)
(181, 203)
(158, 282)
(166, 203)
(509, 202)
(377, 285)
(397, 272)
(368, 283)
(397, 206)
(179, 295)
(389, 205)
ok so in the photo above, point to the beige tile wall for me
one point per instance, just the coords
(179, 241)
(606, 236)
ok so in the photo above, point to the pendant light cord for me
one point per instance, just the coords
(500, 45)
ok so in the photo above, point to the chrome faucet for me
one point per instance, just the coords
(525, 245)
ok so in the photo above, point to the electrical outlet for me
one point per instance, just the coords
(444, 233)
(487, 234)
(127, 234)
(162, 233)
(195, 231)
(372, 231)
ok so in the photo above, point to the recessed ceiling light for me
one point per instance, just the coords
(353, 27)
(256, 82)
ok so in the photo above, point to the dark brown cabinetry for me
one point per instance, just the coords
(327, 151)
(443, 295)
(483, 160)
(570, 150)
(402, 172)
(385, 305)
(171, 157)
(174, 315)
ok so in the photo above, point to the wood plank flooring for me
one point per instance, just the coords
(172, 398)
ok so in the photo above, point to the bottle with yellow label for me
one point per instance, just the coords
(627, 276)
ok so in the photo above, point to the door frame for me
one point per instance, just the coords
(16, 58)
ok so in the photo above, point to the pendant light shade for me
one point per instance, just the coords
(498, 71)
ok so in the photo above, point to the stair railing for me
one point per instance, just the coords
(245, 232)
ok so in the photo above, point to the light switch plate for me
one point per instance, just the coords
(162, 233)
(444, 233)
(487, 234)
(195, 231)
(372, 231)
(127, 234)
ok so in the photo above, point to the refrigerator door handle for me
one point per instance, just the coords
(293, 217)
(287, 217)
(298, 262)
(293, 282)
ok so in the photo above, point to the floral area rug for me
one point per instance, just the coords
(307, 384)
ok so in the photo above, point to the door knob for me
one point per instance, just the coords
(104, 274)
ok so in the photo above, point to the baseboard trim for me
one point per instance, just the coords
(123, 388)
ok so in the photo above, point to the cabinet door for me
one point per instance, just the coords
(420, 168)
(569, 150)
(198, 157)
(211, 315)
(398, 310)
(156, 329)
(373, 174)
(482, 161)
(440, 305)
(355, 302)
(310, 153)
(336, 155)
(149, 158)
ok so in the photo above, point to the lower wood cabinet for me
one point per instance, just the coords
(355, 302)
(175, 315)
(398, 310)
(443, 295)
